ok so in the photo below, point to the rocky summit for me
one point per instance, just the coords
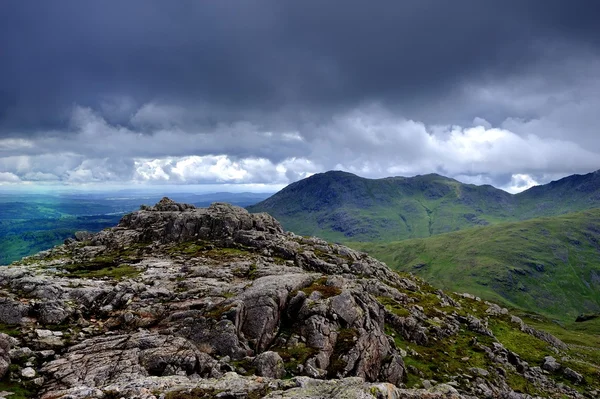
(180, 302)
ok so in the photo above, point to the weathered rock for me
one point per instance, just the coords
(269, 364)
(113, 359)
(12, 312)
(28, 372)
(53, 312)
(5, 350)
(573, 375)
(550, 364)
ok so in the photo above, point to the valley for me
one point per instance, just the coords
(30, 223)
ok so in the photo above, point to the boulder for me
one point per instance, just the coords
(5, 350)
(550, 364)
(269, 364)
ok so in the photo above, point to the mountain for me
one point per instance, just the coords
(549, 265)
(341, 206)
(181, 302)
(572, 193)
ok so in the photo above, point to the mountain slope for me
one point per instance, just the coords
(178, 302)
(572, 193)
(344, 207)
(549, 265)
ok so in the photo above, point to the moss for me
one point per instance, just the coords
(393, 306)
(320, 285)
(100, 269)
(18, 390)
(252, 272)
(190, 248)
(294, 356)
(246, 365)
(12, 330)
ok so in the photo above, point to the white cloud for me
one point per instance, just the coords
(520, 182)
(7, 177)
(370, 141)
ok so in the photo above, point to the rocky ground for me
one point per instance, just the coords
(178, 302)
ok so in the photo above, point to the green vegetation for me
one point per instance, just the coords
(18, 391)
(294, 356)
(546, 265)
(340, 206)
(320, 285)
(22, 237)
(11, 330)
(454, 354)
(99, 267)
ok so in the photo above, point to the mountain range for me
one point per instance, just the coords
(341, 206)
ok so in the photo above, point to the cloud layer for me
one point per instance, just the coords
(502, 93)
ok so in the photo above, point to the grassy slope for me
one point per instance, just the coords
(340, 206)
(549, 265)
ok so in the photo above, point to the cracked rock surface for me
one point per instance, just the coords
(183, 302)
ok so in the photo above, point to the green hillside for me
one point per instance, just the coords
(340, 206)
(548, 265)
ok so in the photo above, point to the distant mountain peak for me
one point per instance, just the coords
(341, 206)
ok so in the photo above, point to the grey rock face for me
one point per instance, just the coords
(12, 312)
(194, 301)
(550, 364)
(269, 364)
(5, 349)
(116, 358)
(573, 375)
(168, 222)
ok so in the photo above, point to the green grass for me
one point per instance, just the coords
(18, 391)
(20, 237)
(100, 267)
(11, 330)
(547, 265)
(457, 354)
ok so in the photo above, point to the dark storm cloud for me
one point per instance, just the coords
(502, 92)
(249, 58)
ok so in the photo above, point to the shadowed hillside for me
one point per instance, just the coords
(344, 207)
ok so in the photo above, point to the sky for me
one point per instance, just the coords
(256, 95)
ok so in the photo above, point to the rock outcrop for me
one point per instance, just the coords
(183, 302)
